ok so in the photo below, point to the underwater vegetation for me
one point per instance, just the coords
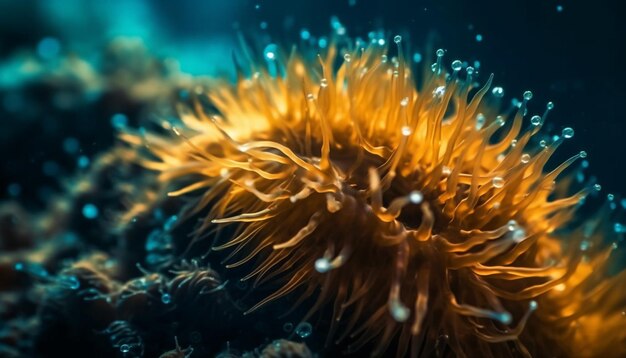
(373, 208)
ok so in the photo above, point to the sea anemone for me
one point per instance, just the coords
(422, 219)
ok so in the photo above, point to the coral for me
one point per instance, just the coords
(418, 218)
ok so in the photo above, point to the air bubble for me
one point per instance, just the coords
(439, 91)
(528, 95)
(525, 158)
(584, 245)
(304, 329)
(567, 132)
(324, 82)
(397, 39)
(457, 65)
(512, 225)
(416, 197)
(480, 120)
(322, 265)
(270, 52)
(498, 92)
(497, 182)
(535, 120)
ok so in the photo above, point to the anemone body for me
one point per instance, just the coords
(422, 219)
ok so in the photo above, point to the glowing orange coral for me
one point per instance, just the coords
(398, 208)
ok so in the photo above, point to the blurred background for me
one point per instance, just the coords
(72, 71)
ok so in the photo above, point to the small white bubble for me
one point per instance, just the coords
(322, 265)
(535, 120)
(457, 65)
(439, 91)
(528, 95)
(567, 132)
(416, 197)
(498, 182)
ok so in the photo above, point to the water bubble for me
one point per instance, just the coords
(584, 245)
(324, 82)
(497, 182)
(347, 57)
(304, 329)
(504, 318)
(567, 132)
(525, 158)
(535, 120)
(90, 211)
(528, 95)
(416, 197)
(480, 120)
(270, 52)
(166, 298)
(322, 265)
(457, 65)
(512, 225)
(498, 92)
(397, 39)
(439, 91)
